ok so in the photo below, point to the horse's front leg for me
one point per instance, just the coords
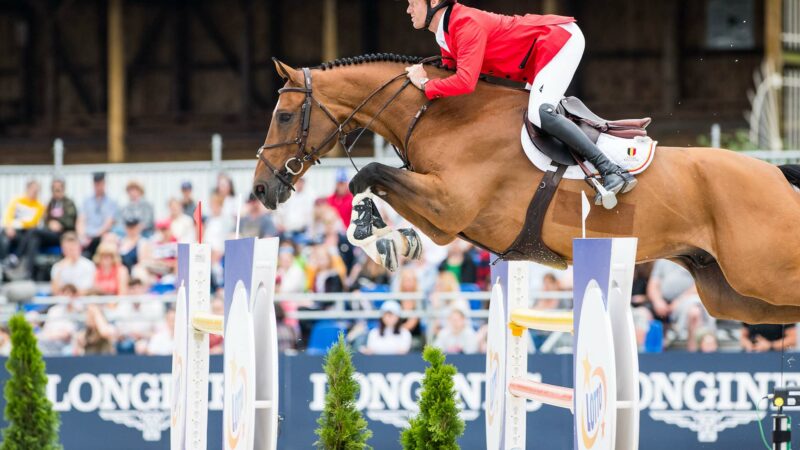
(408, 193)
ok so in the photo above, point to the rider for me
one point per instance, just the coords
(541, 50)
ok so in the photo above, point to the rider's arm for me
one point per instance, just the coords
(470, 40)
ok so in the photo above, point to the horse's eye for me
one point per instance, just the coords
(284, 117)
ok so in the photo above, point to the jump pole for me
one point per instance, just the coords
(604, 399)
(250, 412)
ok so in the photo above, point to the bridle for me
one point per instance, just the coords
(295, 165)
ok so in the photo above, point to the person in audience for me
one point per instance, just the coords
(342, 200)
(367, 274)
(216, 343)
(96, 216)
(111, 276)
(457, 336)
(334, 238)
(164, 251)
(182, 227)
(327, 268)
(389, 338)
(138, 208)
(60, 325)
(324, 215)
(287, 334)
(133, 247)
(256, 221)
(674, 296)
(99, 337)
(291, 278)
(60, 216)
(73, 269)
(217, 229)
(5, 341)
(767, 337)
(294, 217)
(408, 285)
(445, 294)
(21, 218)
(707, 341)
(230, 205)
(549, 284)
(161, 343)
(136, 321)
(187, 200)
(459, 262)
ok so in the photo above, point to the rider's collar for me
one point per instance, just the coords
(446, 19)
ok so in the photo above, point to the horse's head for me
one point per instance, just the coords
(292, 144)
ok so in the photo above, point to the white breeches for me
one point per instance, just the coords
(553, 80)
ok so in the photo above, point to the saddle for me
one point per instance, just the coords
(590, 123)
(528, 245)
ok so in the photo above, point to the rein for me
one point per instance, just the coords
(295, 165)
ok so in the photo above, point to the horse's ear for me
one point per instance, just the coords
(287, 72)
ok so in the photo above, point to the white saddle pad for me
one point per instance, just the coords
(633, 155)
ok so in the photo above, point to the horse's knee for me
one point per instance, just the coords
(364, 179)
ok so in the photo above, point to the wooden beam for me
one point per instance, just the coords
(246, 66)
(330, 31)
(182, 58)
(773, 33)
(116, 82)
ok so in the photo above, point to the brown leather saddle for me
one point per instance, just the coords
(590, 123)
(528, 246)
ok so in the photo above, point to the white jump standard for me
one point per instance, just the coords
(605, 397)
(250, 413)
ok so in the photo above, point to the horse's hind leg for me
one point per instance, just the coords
(723, 302)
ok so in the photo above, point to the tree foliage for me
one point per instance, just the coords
(32, 422)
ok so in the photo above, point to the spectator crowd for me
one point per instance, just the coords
(115, 248)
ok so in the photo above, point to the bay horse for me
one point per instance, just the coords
(730, 219)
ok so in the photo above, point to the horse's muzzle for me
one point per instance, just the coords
(271, 193)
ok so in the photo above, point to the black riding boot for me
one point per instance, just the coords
(615, 178)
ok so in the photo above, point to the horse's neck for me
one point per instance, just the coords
(353, 86)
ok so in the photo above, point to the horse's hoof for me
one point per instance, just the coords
(414, 243)
(387, 253)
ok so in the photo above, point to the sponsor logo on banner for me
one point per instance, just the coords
(708, 403)
(140, 401)
(391, 398)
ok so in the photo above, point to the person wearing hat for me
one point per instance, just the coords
(457, 336)
(138, 208)
(389, 338)
(187, 201)
(96, 216)
(132, 244)
(341, 199)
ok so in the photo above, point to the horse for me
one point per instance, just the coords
(730, 219)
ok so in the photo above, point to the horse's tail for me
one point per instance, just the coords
(792, 173)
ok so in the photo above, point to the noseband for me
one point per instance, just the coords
(295, 165)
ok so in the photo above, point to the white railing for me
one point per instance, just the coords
(791, 101)
(791, 24)
(162, 180)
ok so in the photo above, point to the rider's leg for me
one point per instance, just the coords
(548, 89)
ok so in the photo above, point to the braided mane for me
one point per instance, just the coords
(379, 57)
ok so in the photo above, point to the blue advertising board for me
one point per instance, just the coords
(689, 401)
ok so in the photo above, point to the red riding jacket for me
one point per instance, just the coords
(513, 47)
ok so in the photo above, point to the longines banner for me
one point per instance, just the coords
(688, 400)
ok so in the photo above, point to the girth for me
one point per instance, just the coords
(529, 246)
